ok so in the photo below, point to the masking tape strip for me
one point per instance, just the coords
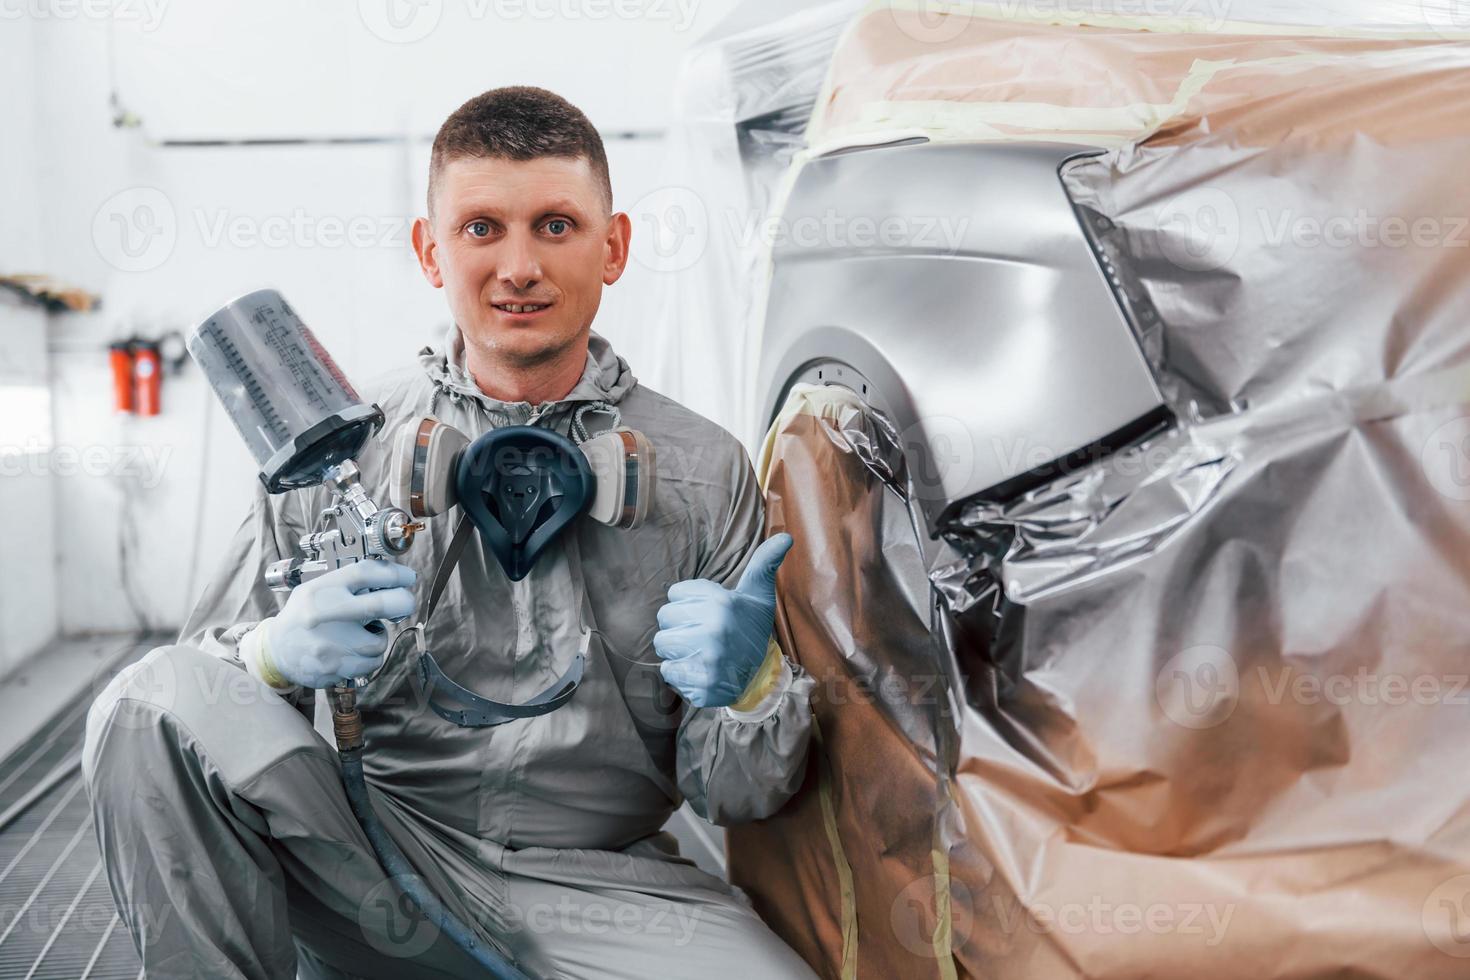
(1103, 126)
(988, 118)
(1206, 24)
(1379, 401)
(943, 911)
(255, 654)
(763, 681)
(839, 858)
(939, 858)
(823, 401)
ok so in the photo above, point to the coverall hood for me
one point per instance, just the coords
(606, 378)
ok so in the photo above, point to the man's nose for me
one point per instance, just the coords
(519, 265)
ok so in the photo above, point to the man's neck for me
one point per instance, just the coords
(536, 383)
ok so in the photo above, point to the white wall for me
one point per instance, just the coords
(355, 67)
(28, 542)
(167, 234)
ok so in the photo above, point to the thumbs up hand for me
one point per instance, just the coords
(712, 640)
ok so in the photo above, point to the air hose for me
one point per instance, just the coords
(347, 726)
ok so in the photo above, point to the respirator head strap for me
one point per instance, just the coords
(464, 707)
(467, 709)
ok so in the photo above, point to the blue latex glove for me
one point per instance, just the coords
(320, 637)
(713, 639)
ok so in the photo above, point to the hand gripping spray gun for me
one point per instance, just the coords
(304, 424)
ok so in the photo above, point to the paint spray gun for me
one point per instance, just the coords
(363, 530)
(304, 423)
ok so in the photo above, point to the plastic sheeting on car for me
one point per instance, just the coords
(1050, 69)
(872, 818)
(1197, 709)
(741, 101)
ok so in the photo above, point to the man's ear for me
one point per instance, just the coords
(427, 250)
(615, 249)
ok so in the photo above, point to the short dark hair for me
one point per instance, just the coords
(518, 122)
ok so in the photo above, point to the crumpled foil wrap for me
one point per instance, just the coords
(1195, 709)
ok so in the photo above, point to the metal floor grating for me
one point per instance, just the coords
(57, 921)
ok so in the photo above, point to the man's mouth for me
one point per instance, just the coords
(520, 308)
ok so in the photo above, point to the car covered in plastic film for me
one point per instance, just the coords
(1116, 373)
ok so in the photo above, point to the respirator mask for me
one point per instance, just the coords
(520, 487)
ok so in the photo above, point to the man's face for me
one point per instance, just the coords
(521, 233)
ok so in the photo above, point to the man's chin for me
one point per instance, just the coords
(527, 345)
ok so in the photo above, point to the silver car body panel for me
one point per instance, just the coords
(956, 278)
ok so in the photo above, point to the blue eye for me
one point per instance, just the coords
(479, 229)
(553, 223)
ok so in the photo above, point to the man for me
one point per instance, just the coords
(229, 845)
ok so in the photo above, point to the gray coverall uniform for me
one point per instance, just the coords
(227, 837)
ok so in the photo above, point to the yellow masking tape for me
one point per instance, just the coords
(839, 858)
(258, 652)
(820, 400)
(764, 680)
(943, 911)
(1103, 126)
(823, 401)
(1106, 127)
(1064, 13)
